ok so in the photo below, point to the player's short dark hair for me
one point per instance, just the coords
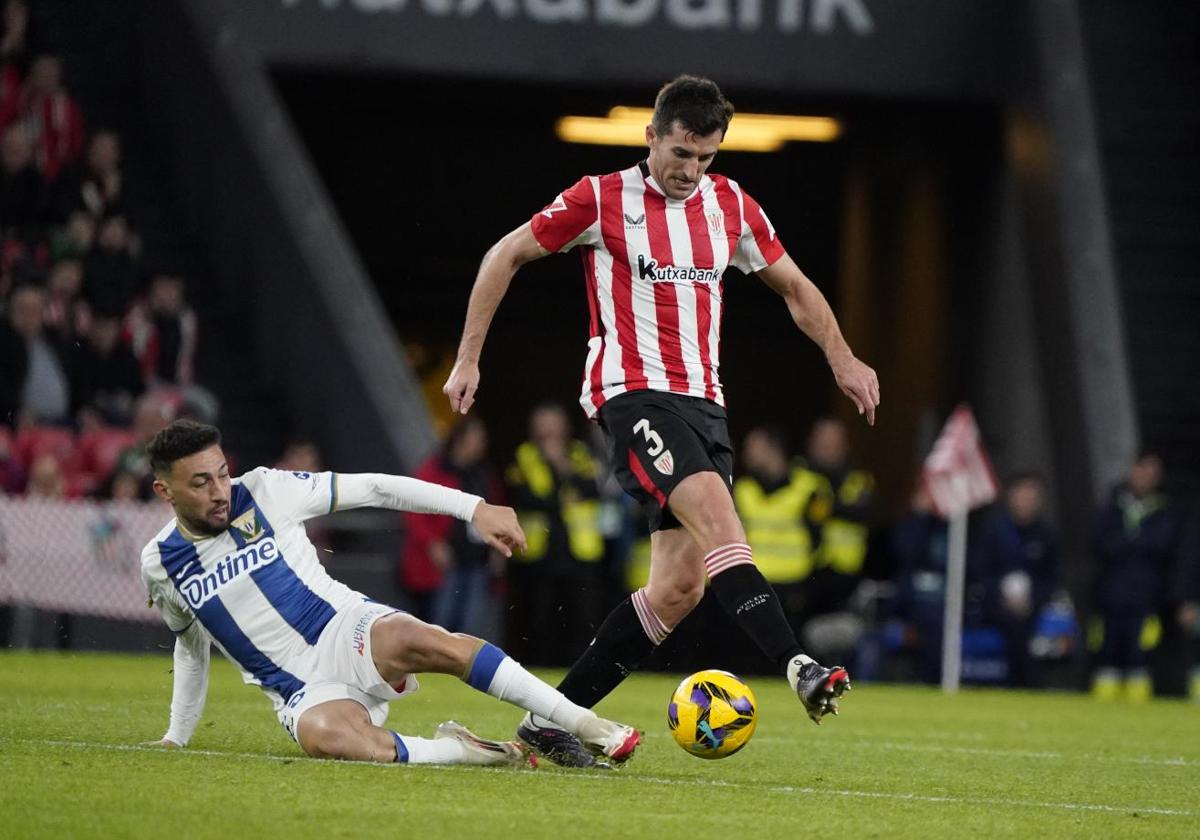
(179, 440)
(696, 103)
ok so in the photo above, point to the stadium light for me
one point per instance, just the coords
(624, 126)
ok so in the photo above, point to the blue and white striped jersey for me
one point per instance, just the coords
(258, 589)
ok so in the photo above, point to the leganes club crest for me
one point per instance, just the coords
(248, 526)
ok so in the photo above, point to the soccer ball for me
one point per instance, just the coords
(712, 714)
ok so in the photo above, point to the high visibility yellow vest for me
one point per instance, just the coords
(580, 516)
(775, 525)
(843, 545)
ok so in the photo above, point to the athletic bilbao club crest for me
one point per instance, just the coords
(716, 222)
(664, 463)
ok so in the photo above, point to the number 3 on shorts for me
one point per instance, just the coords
(652, 437)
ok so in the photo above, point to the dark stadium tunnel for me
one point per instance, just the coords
(426, 173)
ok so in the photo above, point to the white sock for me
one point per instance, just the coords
(439, 751)
(515, 685)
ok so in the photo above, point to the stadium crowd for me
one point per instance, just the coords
(858, 588)
(97, 344)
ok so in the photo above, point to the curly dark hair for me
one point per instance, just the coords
(179, 440)
(696, 103)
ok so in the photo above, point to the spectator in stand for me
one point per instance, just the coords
(46, 479)
(919, 547)
(75, 239)
(843, 527)
(463, 603)
(51, 116)
(1018, 561)
(12, 476)
(556, 582)
(67, 317)
(15, 22)
(1186, 600)
(1135, 544)
(151, 415)
(110, 272)
(439, 558)
(775, 501)
(300, 455)
(162, 331)
(122, 486)
(21, 189)
(100, 182)
(108, 380)
(34, 385)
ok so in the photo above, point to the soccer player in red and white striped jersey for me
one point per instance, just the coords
(655, 240)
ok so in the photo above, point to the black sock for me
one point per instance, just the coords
(745, 594)
(620, 646)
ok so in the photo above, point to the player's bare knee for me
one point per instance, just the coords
(322, 735)
(674, 598)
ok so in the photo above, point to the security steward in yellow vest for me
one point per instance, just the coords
(776, 503)
(555, 585)
(844, 524)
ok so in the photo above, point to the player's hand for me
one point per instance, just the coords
(164, 743)
(858, 382)
(499, 528)
(461, 386)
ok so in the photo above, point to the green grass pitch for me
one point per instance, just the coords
(899, 762)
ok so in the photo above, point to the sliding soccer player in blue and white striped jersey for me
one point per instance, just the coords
(235, 568)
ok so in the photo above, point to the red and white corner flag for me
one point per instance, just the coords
(959, 478)
(958, 473)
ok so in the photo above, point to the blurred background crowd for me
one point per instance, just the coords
(97, 339)
(860, 587)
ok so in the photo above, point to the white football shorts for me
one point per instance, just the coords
(346, 670)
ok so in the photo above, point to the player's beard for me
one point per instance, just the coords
(212, 523)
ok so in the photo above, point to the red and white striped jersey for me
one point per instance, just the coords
(653, 267)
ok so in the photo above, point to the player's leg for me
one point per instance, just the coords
(642, 621)
(343, 729)
(623, 640)
(703, 504)
(402, 645)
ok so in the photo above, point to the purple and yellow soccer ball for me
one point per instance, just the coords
(712, 714)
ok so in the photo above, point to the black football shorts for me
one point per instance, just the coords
(657, 439)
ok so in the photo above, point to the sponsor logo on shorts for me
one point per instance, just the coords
(358, 639)
(664, 463)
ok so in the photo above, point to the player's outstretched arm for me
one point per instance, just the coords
(812, 314)
(190, 687)
(496, 272)
(496, 525)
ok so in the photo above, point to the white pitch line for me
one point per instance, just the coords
(998, 752)
(657, 780)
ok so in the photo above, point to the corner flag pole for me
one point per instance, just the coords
(958, 476)
(956, 573)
